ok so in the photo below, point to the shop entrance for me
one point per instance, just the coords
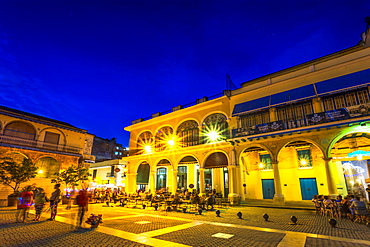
(268, 188)
(216, 174)
(308, 188)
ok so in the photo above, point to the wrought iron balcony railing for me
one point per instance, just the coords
(309, 120)
(16, 141)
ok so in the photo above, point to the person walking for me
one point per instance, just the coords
(40, 199)
(54, 200)
(25, 202)
(82, 202)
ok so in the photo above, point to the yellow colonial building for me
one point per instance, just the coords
(53, 145)
(289, 135)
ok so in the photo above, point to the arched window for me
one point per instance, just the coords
(142, 177)
(20, 130)
(145, 139)
(215, 128)
(188, 133)
(161, 138)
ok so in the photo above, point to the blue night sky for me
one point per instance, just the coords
(98, 65)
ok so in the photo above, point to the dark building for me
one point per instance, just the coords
(107, 149)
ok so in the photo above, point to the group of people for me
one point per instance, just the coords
(36, 196)
(115, 195)
(351, 207)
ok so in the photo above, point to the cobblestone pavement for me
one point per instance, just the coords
(148, 227)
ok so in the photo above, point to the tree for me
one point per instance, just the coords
(72, 176)
(13, 174)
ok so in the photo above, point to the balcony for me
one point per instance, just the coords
(315, 119)
(40, 145)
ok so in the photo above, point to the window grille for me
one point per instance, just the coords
(145, 138)
(216, 122)
(363, 97)
(188, 133)
(160, 138)
(265, 159)
(304, 158)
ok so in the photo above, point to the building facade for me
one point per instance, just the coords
(53, 145)
(107, 149)
(108, 174)
(288, 135)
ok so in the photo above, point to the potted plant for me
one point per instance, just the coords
(13, 174)
(71, 177)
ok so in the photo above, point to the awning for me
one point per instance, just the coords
(343, 82)
(296, 94)
(216, 160)
(251, 105)
(357, 79)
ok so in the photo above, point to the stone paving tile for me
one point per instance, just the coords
(129, 225)
(202, 236)
(55, 233)
(308, 221)
(313, 242)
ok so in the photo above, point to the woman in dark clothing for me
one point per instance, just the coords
(54, 200)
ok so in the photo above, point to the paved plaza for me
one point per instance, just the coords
(147, 227)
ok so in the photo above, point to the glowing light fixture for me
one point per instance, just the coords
(213, 135)
(261, 165)
(303, 162)
(148, 149)
(171, 142)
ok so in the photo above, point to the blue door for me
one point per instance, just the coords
(308, 188)
(268, 188)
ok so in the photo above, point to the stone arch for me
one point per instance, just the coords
(160, 138)
(214, 112)
(164, 162)
(145, 139)
(300, 139)
(348, 154)
(215, 122)
(184, 156)
(254, 163)
(143, 173)
(216, 159)
(47, 167)
(16, 156)
(307, 153)
(187, 133)
(342, 134)
(42, 134)
(20, 129)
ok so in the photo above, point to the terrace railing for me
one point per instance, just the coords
(21, 142)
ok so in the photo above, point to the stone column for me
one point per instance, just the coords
(332, 188)
(118, 180)
(233, 196)
(278, 197)
(201, 181)
(174, 181)
(273, 114)
(131, 182)
(317, 105)
(152, 181)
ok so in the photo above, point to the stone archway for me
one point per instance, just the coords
(302, 170)
(142, 177)
(257, 172)
(350, 161)
(47, 167)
